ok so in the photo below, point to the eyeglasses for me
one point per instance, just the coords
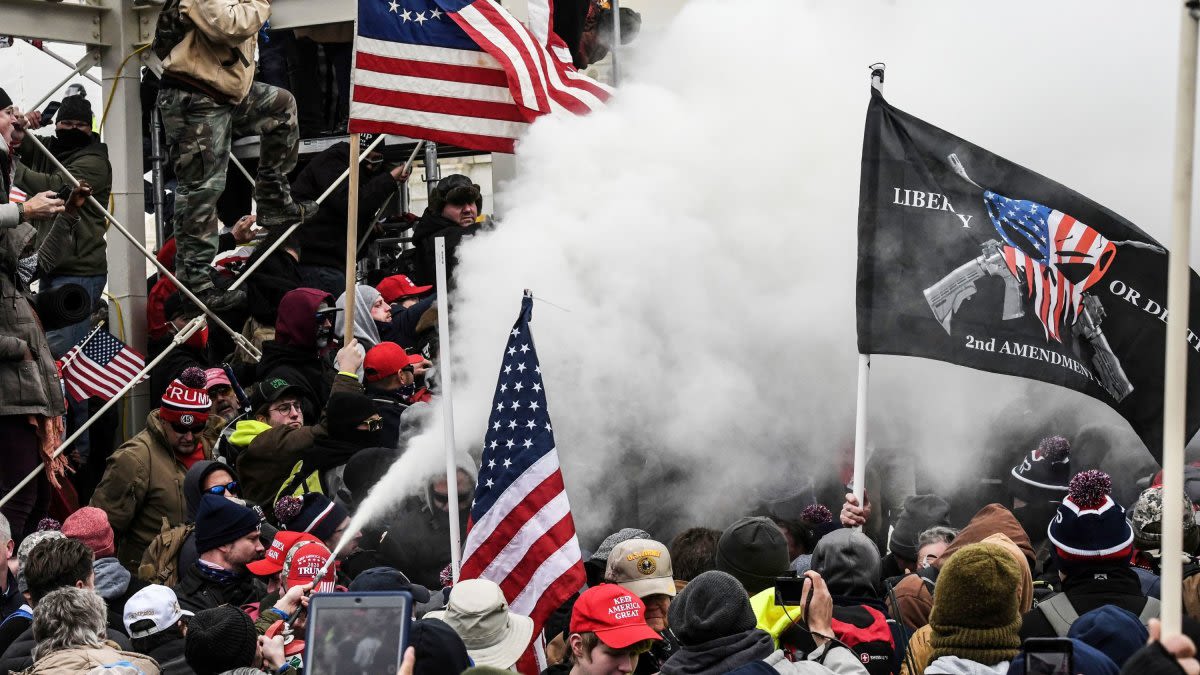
(373, 424)
(285, 408)
(231, 487)
(182, 429)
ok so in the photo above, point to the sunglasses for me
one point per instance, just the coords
(185, 429)
(373, 424)
(443, 498)
(231, 487)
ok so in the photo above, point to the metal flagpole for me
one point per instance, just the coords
(1178, 275)
(279, 242)
(447, 396)
(864, 374)
(179, 339)
(351, 241)
(237, 337)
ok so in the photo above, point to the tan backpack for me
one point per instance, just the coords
(160, 562)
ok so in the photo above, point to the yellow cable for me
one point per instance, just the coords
(116, 81)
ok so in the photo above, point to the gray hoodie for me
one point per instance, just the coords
(849, 563)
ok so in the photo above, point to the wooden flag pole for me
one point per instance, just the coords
(447, 397)
(1178, 281)
(351, 241)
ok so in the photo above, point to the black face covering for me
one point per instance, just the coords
(71, 139)
(324, 335)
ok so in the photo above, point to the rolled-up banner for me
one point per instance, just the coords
(62, 306)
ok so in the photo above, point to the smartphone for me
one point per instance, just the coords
(357, 632)
(64, 192)
(1049, 656)
(49, 112)
(789, 591)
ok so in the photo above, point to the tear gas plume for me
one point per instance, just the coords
(699, 235)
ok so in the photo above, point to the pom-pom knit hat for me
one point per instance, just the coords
(1043, 473)
(1089, 525)
(186, 399)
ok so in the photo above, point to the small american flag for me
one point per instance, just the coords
(101, 368)
(16, 195)
(463, 72)
(1042, 243)
(521, 534)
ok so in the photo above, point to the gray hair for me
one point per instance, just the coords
(936, 535)
(5, 531)
(68, 617)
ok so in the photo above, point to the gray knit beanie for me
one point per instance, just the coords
(600, 557)
(711, 606)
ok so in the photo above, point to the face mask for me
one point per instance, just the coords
(72, 138)
(407, 390)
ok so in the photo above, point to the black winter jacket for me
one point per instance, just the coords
(323, 239)
(430, 227)
(197, 592)
(1107, 585)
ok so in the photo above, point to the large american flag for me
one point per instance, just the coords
(1039, 241)
(463, 72)
(101, 368)
(521, 534)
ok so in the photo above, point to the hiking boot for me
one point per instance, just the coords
(217, 300)
(296, 212)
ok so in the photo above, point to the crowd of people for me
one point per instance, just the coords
(192, 546)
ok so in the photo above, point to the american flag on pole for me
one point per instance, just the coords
(521, 534)
(1040, 243)
(463, 72)
(101, 367)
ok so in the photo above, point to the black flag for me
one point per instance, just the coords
(966, 257)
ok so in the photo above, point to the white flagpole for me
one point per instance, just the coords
(864, 376)
(447, 396)
(1175, 387)
(860, 427)
(74, 351)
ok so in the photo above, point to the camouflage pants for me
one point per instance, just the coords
(198, 132)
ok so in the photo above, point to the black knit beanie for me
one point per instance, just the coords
(220, 521)
(754, 551)
(219, 640)
(346, 410)
(5, 99)
(711, 606)
(75, 109)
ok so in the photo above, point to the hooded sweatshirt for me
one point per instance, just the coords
(364, 326)
(293, 355)
(850, 565)
(913, 594)
(953, 665)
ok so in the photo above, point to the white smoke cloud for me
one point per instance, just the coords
(700, 235)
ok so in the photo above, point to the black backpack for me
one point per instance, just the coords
(170, 30)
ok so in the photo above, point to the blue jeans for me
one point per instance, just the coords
(62, 339)
(328, 279)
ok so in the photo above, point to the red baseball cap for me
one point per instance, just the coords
(386, 359)
(302, 564)
(614, 613)
(399, 286)
(272, 563)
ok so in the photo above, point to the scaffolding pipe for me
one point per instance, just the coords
(237, 337)
(179, 339)
(62, 59)
(89, 60)
(278, 242)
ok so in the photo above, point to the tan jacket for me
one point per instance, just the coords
(217, 55)
(83, 659)
(142, 487)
